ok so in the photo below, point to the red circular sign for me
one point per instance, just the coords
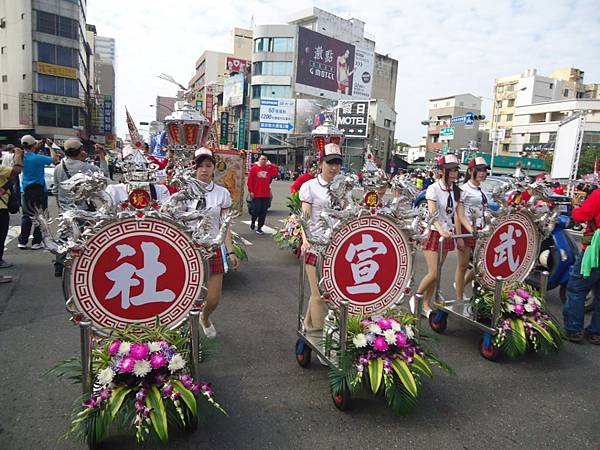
(139, 198)
(134, 270)
(367, 263)
(511, 250)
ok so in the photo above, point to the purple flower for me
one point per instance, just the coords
(380, 344)
(206, 388)
(114, 347)
(163, 344)
(400, 339)
(141, 394)
(384, 324)
(146, 412)
(363, 361)
(159, 378)
(186, 380)
(519, 309)
(158, 360)
(523, 293)
(104, 394)
(195, 388)
(167, 390)
(139, 405)
(139, 351)
(127, 364)
(90, 402)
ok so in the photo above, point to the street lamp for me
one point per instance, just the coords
(158, 104)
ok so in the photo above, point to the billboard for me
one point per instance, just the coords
(568, 140)
(325, 63)
(309, 113)
(108, 114)
(224, 128)
(353, 118)
(364, 62)
(236, 64)
(233, 90)
(277, 115)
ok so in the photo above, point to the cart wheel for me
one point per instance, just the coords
(341, 399)
(303, 353)
(438, 321)
(487, 348)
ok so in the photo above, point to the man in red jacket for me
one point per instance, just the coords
(259, 190)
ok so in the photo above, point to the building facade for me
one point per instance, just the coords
(441, 111)
(530, 88)
(46, 74)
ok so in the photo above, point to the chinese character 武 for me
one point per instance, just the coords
(504, 250)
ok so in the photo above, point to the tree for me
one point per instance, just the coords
(587, 159)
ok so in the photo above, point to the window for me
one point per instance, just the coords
(498, 104)
(497, 118)
(510, 88)
(500, 89)
(274, 44)
(4, 78)
(534, 138)
(387, 123)
(3, 50)
(24, 76)
(272, 68)
(551, 85)
(4, 106)
(254, 137)
(57, 25)
(511, 103)
(552, 137)
(505, 148)
(51, 115)
(23, 47)
(509, 117)
(507, 133)
(566, 93)
(267, 90)
(22, 16)
(255, 114)
(57, 85)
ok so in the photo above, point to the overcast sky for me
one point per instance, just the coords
(442, 48)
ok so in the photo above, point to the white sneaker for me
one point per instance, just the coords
(209, 332)
(412, 304)
(37, 246)
(22, 246)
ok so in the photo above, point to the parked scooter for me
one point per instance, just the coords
(557, 255)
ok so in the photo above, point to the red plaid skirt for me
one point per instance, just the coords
(470, 242)
(433, 244)
(215, 262)
(310, 259)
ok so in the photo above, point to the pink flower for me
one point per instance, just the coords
(519, 309)
(163, 344)
(380, 344)
(158, 360)
(400, 339)
(366, 322)
(384, 324)
(139, 351)
(523, 293)
(127, 364)
(114, 347)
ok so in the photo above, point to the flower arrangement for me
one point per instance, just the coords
(384, 351)
(141, 384)
(290, 235)
(524, 323)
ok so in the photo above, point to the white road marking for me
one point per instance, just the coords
(13, 233)
(245, 241)
(266, 229)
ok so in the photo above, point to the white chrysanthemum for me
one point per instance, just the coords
(153, 347)
(408, 331)
(177, 363)
(105, 376)
(124, 348)
(535, 301)
(374, 328)
(396, 326)
(510, 307)
(528, 307)
(141, 368)
(518, 299)
(360, 340)
(390, 336)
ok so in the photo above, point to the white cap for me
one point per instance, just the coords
(28, 140)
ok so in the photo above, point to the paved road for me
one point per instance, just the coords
(533, 403)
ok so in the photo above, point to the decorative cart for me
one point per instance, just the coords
(134, 282)
(365, 266)
(511, 315)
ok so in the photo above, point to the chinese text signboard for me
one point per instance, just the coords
(367, 263)
(277, 115)
(511, 250)
(108, 114)
(353, 118)
(324, 62)
(224, 127)
(132, 271)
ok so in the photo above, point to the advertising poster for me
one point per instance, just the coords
(277, 115)
(363, 73)
(353, 118)
(324, 62)
(236, 64)
(229, 173)
(233, 90)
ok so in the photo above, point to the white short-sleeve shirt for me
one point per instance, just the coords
(316, 193)
(217, 199)
(439, 195)
(472, 198)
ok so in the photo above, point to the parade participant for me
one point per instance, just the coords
(473, 203)
(315, 197)
(216, 202)
(33, 187)
(73, 163)
(6, 174)
(586, 274)
(443, 198)
(259, 191)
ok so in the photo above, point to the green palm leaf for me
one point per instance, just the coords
(116, 400)
(405, 376)
(375, 373)
(518, 334)
(399, 399)
(158, 415)
(543, 332)
(187, 396)
(420, 364)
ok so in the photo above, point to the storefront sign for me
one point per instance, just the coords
(208, 104)
(58, 99)
(241, 136)
(108, 114)
(236, 65)
(324, 63)
(353, 118)
(277, 115)
(25, 109)
(224, 128)
(132, 271)
(57, 71)
(538, 147)
(367, 263)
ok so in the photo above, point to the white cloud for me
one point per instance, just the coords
(443, 48)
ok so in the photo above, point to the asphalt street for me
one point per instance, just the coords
(531, 403)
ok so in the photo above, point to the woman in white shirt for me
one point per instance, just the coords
(443, 198)
(473, 204)
(216, 202)
(314, 195)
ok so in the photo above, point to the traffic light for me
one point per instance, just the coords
(478, 117)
